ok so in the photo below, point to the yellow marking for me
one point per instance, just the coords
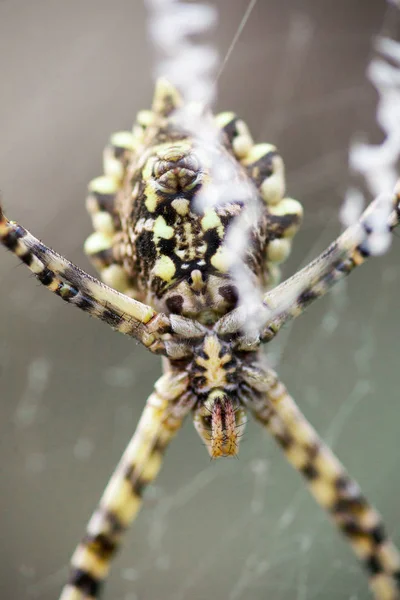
(222, 119)
(85, 558)
(214, 365)
(121, 500)
(116, 277)
(273, 187)
(357, 257)
(190, 240)
(152, 466)
(162, 230)
(325, 462)
(168, 387)
(211, 221)
(287, 206)
(122, 139)
(297, 456)
(150, 193)
(21, 249)
(36, 265)
(197, 279)
(151, 198)
(112, 166)
(384, 587)
(148, 168)
(258, 151)
(96, 242)
(165, 94)
(138, 135)
(278, 250)
(389, 556)
(221, 260)
(70, 592)
(53, 286)
(103, 222)
(181, 205)
(164, 268)
(324, 491)
(145, 118)
(242, 145)
(302, 431)
(362, 545)
(103, 185)
(124, 304)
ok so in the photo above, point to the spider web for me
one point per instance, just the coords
(72, 391)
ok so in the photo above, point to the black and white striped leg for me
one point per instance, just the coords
(328, 481)
(351, 249)
(87, 293)
(162, 417)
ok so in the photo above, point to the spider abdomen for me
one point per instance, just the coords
(156, 242)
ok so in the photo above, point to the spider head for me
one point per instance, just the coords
(220, 423)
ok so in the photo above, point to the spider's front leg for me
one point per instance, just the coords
(289, 299)
(162, 417)
(81, 289)
(328, 481)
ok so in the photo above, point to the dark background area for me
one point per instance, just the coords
(71, 390)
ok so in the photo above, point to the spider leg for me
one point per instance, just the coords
(77, 287)
(289, 299)
(328, 481)
(162, 417)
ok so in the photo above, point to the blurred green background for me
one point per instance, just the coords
(72, 390)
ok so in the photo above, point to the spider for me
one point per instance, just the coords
(166, 282)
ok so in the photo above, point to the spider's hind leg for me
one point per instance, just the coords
(161, 418)
(329, 483)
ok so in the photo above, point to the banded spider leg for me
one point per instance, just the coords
(327, 480)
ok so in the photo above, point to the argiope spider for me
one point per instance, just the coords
(162, 255)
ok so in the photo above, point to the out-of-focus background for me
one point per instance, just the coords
(71, 390)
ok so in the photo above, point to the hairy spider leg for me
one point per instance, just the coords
(162, 417)
(329, 483)
(289, 299)
(84, 291)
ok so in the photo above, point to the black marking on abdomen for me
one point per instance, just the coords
(105, 201)
(262, 168)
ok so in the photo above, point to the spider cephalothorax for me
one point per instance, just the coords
(215, 381)
(152, 243)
